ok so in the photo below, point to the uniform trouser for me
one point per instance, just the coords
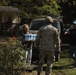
(72, 51)
(49, 55)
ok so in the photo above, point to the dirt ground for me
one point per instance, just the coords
(34, 71)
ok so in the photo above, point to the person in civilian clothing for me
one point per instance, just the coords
(28, 46)
(72, 49)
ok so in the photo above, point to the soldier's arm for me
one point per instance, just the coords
(38, 38)
(57, 41)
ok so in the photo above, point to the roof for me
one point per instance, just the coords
(9, 9)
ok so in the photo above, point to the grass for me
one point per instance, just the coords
(64, 66)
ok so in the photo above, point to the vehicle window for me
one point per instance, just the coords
(57, 25)
(37, 25)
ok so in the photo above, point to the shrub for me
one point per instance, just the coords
(11, 57)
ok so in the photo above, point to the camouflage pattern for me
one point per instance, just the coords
(50, 58)
(48, 36)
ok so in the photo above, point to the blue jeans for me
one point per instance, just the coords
(28, 56)
(72, 51)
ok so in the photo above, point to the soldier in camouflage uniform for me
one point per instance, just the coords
(48, 37)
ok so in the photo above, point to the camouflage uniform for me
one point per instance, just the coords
(49, 42)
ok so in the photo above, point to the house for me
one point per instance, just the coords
(9, 19)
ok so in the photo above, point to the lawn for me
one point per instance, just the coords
(64, 66)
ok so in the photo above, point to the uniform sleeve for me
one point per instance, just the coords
(57, 40)
(38, 37)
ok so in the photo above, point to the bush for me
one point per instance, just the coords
(11, 57)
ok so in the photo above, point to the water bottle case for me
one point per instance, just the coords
(30, 37)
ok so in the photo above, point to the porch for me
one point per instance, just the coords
(9, 20)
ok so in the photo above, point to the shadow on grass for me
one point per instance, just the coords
(57, 67)
(63, 67)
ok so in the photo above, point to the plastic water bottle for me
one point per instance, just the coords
(34, 36)
(73, 54)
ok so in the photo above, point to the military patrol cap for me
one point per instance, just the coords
(49, 18)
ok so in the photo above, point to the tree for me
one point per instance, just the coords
(68, 10)
(34, 8)
(38, 8)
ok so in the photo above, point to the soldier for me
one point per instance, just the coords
(48, 37)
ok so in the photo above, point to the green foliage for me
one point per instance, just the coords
(11, 57)
(41, 8)
(34, 8)
(3, 2)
